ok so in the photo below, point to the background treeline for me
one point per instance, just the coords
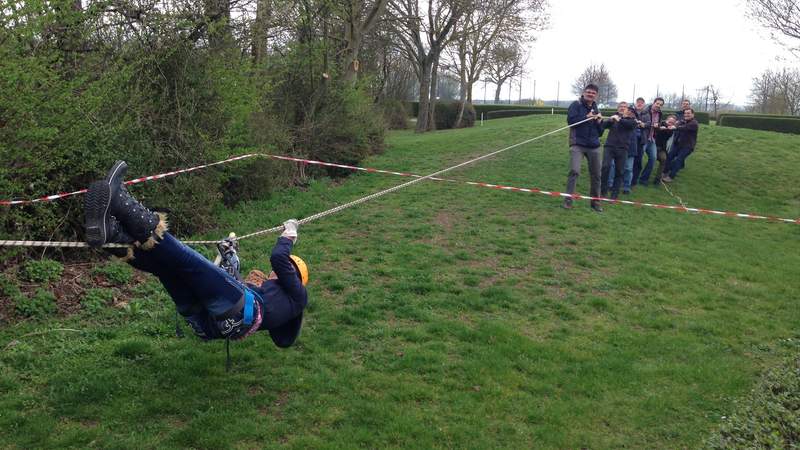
(170, 83)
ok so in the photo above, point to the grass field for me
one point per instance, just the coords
(452, 316)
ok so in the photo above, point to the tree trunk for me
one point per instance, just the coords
(218, 17)
(261, 30)
(352, 37)
(424, 96)
(462, 88)
(497, 92)
(434, 93)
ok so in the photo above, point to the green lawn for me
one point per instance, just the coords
(451, 316)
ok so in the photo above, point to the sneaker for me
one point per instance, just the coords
(567, 203)
(596, 207)
(666, 179)
(626, 191)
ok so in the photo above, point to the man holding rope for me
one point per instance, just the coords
(584, 141)
(214, 303)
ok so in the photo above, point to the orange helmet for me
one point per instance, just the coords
(301, 267)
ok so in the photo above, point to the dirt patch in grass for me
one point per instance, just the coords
(69, 289)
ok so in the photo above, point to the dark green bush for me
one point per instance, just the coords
(42, 271)
(502, 114)
(485, 108)
(447, 114)
(767, 123)
(722, 116)
(769, 417)
(347, 129)
(395, 114)
(39, 306)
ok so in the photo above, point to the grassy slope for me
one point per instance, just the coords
(453, 316)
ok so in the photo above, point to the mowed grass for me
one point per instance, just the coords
(452, 316)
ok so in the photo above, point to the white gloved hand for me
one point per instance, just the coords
(290, 229)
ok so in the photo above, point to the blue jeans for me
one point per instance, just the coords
(677, 160)
(627, 174)
(195, 284)
(650, 151)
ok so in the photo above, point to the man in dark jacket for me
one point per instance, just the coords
(651, 117)
(622, 126)
(684, 144)
(214, 303)
(584, 141)
(662, 135)
(636, 169)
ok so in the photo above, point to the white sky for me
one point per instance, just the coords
(698, 42)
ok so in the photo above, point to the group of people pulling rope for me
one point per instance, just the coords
(633, 133)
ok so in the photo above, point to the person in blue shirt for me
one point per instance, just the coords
(584, 141)
(213, 302)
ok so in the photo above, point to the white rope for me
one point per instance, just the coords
(22, 243)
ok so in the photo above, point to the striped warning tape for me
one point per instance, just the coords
(549, 193)
(49, 198)
(408, 174)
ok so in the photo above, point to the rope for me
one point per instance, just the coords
(22, 243)
(675, 196)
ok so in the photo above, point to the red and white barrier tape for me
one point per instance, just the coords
(548, 193)
(48, 198)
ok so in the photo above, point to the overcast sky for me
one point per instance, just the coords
(649, 45)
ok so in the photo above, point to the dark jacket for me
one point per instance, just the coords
(621, 132)
(662, 135)
(586, 134)
(687, 134)
(283, 300)
(647, 118)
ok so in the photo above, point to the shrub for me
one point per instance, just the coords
(767, 123)
(503, 114)
(395, 114)
(42, 271)
(115, 272)
(769, 417)
(40, 305)
(447, 113)
(96, 299)
(347, 129)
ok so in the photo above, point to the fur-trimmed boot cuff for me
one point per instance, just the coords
(157, 234)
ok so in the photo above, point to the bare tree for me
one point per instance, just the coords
(486, 23)
(788, 87)
(506, 60)
(359, 17)
(422, 41)
(779, 16)
(597, 75)
(777, 92)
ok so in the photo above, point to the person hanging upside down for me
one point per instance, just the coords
(214, 303)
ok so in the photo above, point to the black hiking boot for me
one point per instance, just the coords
(140, 222)
(101, 227)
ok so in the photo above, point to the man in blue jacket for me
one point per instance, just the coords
(584, 141)
(214, 303)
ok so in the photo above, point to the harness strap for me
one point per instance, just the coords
(249, 299)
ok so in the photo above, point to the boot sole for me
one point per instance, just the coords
(97, 204)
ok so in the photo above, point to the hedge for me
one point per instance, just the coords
(506, 113)
(722, 117)
(767, 418)
(702, 117)
(766, 123)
